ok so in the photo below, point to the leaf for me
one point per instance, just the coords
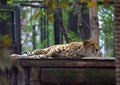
(64, 5)
(3, 80)
(6, 41)
(50, 19)
(51, 4)
(86, 11)
(49, 11)
(91, 4)
(37, 15)
(50, 7)
(106, 3)
(82, 1)
(44, 1)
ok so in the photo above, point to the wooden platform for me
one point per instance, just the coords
(66, 63)
(86, 71)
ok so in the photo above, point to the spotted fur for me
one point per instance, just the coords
(71, 50)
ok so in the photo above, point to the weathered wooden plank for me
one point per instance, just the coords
(118, 80)
(35, 80)
(117, 14)
(88, 67)
(117, 32)
(117, 47)
(80, 63)
(117, 39)
(12, 76)
(23, 77)
(82, 76)
(117, 66)
(117, 26)
(118, 17)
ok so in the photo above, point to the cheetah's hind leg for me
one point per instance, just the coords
(40, 57)
(16, 56)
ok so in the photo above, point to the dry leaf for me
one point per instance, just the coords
(64, 5)
(82, 1)
(106, 3)
(91, 4)
(6, 41)
(37, 15)
(51, 19)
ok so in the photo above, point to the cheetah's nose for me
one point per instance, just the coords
(97, 50)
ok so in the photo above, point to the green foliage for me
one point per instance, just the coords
(110, 53)
(13, 2)
(106, 22)
(3, 81)
(5, 51)
(65, 17)
(73, 37)
(35, 17)
(86, 11)
(51, 37)
(5, 59)
(4, 16)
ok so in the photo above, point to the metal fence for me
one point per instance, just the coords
(10, 25)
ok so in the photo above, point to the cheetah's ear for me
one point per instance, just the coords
(85, 42)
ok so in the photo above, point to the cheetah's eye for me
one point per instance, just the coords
(92, 44)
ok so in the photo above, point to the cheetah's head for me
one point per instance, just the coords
(91, 48)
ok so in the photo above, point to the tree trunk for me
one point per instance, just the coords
(63, 30)
(85, 22)
(73, 26)
(94, 23)
(78, 10)
(83, 25)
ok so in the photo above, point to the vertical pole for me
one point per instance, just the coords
(34, 38)
(56, 33)
(4, 2)
(117, 39)
(18, 29)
